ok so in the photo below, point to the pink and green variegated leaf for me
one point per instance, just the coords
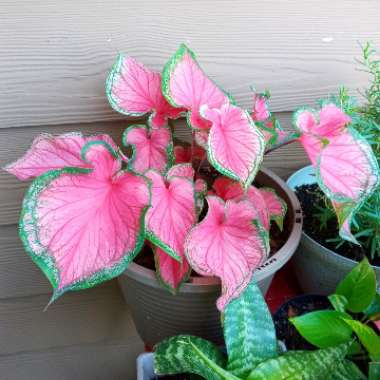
(275, 206)
(306, 123)
(255, 196)
(184, 84)
(332, 121)
(235, 144)
(181, 170)
(152, 148)
(52, 153)
(172, 213)
(260, 111)
(134, 90)
(345, 212)
(84, 226)
(228, 244)
(171, 273)
(347, 169)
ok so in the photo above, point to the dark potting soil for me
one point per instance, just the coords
(297, 306)
(311, 199)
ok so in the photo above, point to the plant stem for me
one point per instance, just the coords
(275, 147)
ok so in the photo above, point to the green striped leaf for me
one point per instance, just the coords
(338, 302)
(374, 371)
(300, 365)
(249, 332)
(190, 354)
(347, 370)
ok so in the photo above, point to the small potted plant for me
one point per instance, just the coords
(354, 308)
(93, 207)
(324, 255)
(252, 350)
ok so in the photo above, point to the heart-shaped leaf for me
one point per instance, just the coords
(260, 111)
(324, 328)
(235, 145)
(83, 226)
(184, 84)
(172, 213)
(347, 169)
(190, 354)
(249, 332)
(359, 287)
(171, 273)
(134, 90)
(52, 153)
(229, 244)
(152, 148)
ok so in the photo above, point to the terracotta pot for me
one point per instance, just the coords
(318, 269)
(158, 314)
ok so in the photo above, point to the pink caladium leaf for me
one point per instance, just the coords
(346, 167)
(260, 110)
(50, 152)
(181, 170)
(229, 244)
(172, 212)
(235, 145)
(152, 148)
(226, 188)
(134, 90)
(276, 207)
(184, 84)
(171, 273)
(84, 226)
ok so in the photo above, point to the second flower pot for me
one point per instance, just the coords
(159, 314)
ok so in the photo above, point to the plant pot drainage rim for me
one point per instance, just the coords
(295, 180)
(270, 266)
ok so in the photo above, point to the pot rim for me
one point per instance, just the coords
(309, 170)
(269, 267)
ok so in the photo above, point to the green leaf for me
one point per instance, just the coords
(374, 371)
(369, 339)
(249, 332)
(347, 370)
(190, 354)
(324, 328)
(374, 307)
(338, 302)
(359, 287)
(300, 365)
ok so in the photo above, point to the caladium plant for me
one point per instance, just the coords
(253, 352)
(92, 205)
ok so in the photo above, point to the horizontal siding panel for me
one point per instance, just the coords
(102, 361)
(93, 316)
(55, 54)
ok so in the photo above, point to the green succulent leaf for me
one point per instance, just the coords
(338, 302)
(300, 365)
(369, 339)
(359, 287)
(249, 332)
(347, 370)
(374, 371)
(190, 354)
(325, 328)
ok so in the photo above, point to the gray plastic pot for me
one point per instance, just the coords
(159, 314)
(318, 269)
